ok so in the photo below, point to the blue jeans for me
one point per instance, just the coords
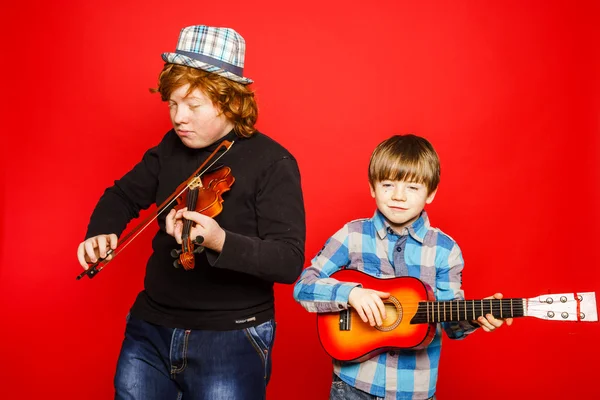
(165, 363)
(340, 390)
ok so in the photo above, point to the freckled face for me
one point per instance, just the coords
(196, 120)
(401, 202)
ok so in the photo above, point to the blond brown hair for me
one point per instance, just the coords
(235, 100)
(408, 158)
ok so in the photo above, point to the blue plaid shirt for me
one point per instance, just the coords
(373, 247)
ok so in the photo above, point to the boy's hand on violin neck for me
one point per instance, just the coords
(208, 228)
(368, 304)
(95, 248)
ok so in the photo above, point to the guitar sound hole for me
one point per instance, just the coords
(391, 314)
(393, 311)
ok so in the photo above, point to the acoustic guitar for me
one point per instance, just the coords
(412, 314)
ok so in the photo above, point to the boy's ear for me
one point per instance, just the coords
(372, 190)
(430, 197)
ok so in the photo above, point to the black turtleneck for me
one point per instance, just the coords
(263, 217)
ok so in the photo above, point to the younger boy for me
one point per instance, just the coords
(404, 174)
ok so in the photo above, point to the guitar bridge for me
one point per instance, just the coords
(345, 320)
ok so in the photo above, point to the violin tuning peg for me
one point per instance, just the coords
(176, 263)
(199, 240)
(175, 253)
(198, 250)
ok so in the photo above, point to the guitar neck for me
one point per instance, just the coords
(468, 310)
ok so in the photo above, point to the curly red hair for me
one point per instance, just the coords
(235, 100)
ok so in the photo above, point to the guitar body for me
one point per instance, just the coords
(412, 314)
(345, 337)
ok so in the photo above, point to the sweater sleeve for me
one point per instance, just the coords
(277, 254)
(122, 202)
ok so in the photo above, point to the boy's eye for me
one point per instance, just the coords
(413, 187)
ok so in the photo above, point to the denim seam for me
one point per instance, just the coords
(175, 370)
(260, 352)
(171, 350)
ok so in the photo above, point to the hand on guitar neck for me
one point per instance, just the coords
(489, 323)
(371, 309)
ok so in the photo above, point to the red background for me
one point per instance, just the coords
(508, 92)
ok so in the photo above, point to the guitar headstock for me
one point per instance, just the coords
(563, 307)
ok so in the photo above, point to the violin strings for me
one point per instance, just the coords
(130, 237)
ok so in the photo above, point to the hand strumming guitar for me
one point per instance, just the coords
(368, 304)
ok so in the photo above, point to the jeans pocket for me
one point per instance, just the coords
(262, 336)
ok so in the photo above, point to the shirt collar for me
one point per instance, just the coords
(417, 230)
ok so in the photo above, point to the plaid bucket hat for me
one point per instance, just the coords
(217, 50)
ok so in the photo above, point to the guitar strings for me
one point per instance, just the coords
(460, 310)
(435, 309)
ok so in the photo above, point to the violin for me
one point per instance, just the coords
(203, 196)
(212, 182)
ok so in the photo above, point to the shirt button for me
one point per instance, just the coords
(399, 248)
(340, 306)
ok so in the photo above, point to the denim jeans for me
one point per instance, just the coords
(165, 363)
(340, 390)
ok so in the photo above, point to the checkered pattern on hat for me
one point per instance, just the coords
(216, 50)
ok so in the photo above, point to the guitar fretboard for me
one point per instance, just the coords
(467, 310)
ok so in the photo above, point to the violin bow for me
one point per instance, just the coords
(99, 265)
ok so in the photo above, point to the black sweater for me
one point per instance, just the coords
(263, 217)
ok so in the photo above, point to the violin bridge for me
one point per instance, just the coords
(195, 183)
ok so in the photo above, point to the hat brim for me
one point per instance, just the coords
(180, 59)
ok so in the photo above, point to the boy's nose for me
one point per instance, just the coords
(399, 194)
(181, 115)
